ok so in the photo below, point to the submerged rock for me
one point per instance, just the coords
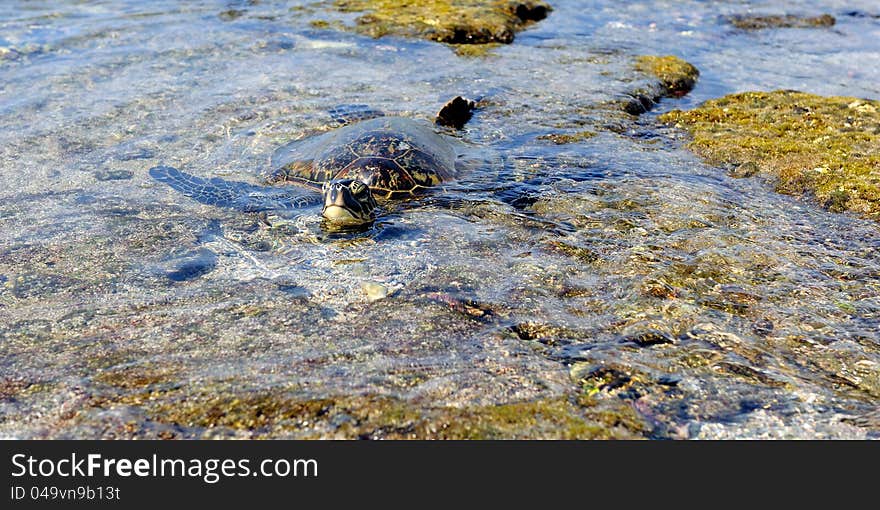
(670, 77)
(828, 147)
(758, 22)
(447, 21)
(656, 77)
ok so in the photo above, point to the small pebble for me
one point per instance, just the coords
(374, 291)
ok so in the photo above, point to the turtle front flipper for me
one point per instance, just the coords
(236, 195)
(455, 113)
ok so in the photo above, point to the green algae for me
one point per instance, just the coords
(759, 22)
(593, 379)
(547, 419)
(275, 413)
(602, 387)
(677, 77)
(614, 414)
(448, 21)
(828, 147)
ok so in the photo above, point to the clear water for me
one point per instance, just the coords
(735, 311)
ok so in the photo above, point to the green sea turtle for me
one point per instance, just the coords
(372, 157)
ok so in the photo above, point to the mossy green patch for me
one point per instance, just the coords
(825, 146)
(448, 21)
(758, 22)
(548, 419)
(677, 77)
(271, 413)
(613, 414)
(593, 379)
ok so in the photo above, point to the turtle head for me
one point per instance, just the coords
(348, 202)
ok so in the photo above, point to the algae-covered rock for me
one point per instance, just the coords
(758, 22)
(677, 77)
(447, 21)
(825, 146)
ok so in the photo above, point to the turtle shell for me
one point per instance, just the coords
(395, 156)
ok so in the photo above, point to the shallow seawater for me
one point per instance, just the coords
(619, 270)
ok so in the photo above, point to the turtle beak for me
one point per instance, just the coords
(348, 203)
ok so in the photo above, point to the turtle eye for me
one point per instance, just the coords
(357, 187)
(325, 186)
